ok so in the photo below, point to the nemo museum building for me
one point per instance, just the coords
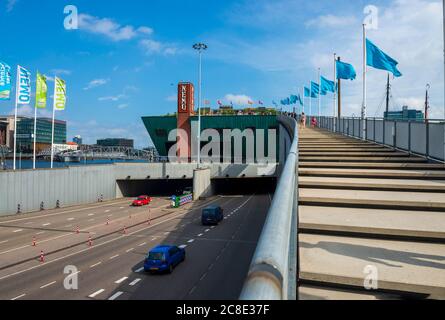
(262, 122)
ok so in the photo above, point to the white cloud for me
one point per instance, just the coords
(332, 21)
(59, 72)
(10, 5)
(172, 98)
(155, 47)
(111, 98)
(122, 106)
(110, 29)
(239, 99)
(95, 83)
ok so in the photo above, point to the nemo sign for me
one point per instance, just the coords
(185, 97)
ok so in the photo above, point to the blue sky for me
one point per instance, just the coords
(126, 58)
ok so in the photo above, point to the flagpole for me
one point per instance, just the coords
(364, 84)
(15, 116)
(335, 88)
(35, 129)
(310, 102)
(319, 93)
(52, 134)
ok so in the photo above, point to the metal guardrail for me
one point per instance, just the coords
(273, 270)
(424, 138)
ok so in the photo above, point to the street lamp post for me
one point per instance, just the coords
(200, 47)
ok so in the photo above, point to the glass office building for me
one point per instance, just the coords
(25, 132)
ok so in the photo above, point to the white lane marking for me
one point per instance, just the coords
(96, 293)
(182, 246)
(139, 270)
(206, 230)
(225, 218)
(107, 211)
(115, 256)
(72, 274)
(41, 232)
(62, 212)
(153, 239)
(121, 207)
(131, 249)
(4, 241)
(191, 240)
(90, 214)
(46, 224)
(212, 227)
(121, 280)
(134, 281)
(70, 219)
(165, 233)
(115, 296)
(18, 230)
(211, 266)
(203, 276)
(200, 235)
(101, 244)
(18, 297)
(48, 284)
(96, 264)
(142, 244)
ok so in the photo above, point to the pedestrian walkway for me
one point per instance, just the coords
(368, 215)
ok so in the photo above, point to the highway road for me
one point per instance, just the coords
(217, 260)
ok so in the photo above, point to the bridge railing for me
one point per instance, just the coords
(272, 273)
(419, 137)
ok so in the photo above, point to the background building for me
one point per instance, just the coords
(158, 127)
(25, 133)
(116, 142)
(404, 114)
(3, 130)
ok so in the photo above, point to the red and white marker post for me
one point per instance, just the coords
(42, 257)
(33, 241)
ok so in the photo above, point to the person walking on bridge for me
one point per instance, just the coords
(302, 121)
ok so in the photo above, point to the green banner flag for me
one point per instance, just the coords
(59, 94)
(41, 91)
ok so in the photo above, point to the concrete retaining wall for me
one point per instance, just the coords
(85, 184)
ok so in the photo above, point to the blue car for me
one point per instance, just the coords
(163, 258)
(212, 215)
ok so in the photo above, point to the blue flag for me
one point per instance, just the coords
(315, 88)
(293, 99)
(327, 85)
(378, 59)
(345, 70)
(300, 101)
(309, 93)
(285, 101)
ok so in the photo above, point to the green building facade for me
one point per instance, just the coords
(158, 128)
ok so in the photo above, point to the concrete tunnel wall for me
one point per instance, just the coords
(86, 184)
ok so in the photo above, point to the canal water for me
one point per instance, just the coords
(27, 164)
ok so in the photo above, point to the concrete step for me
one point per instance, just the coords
(360, 183)
(398, 223)
(388, 173)
(361, 198)
(398, 265)
(311, 292)
(352, 154)
(372, 165)
(361, 159)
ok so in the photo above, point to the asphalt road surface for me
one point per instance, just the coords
(217, 257)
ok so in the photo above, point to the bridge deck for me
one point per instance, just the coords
(361, 204)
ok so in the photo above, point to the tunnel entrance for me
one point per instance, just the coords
(238, 186)
(161, 187)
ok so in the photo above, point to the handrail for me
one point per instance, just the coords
(273, 270)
